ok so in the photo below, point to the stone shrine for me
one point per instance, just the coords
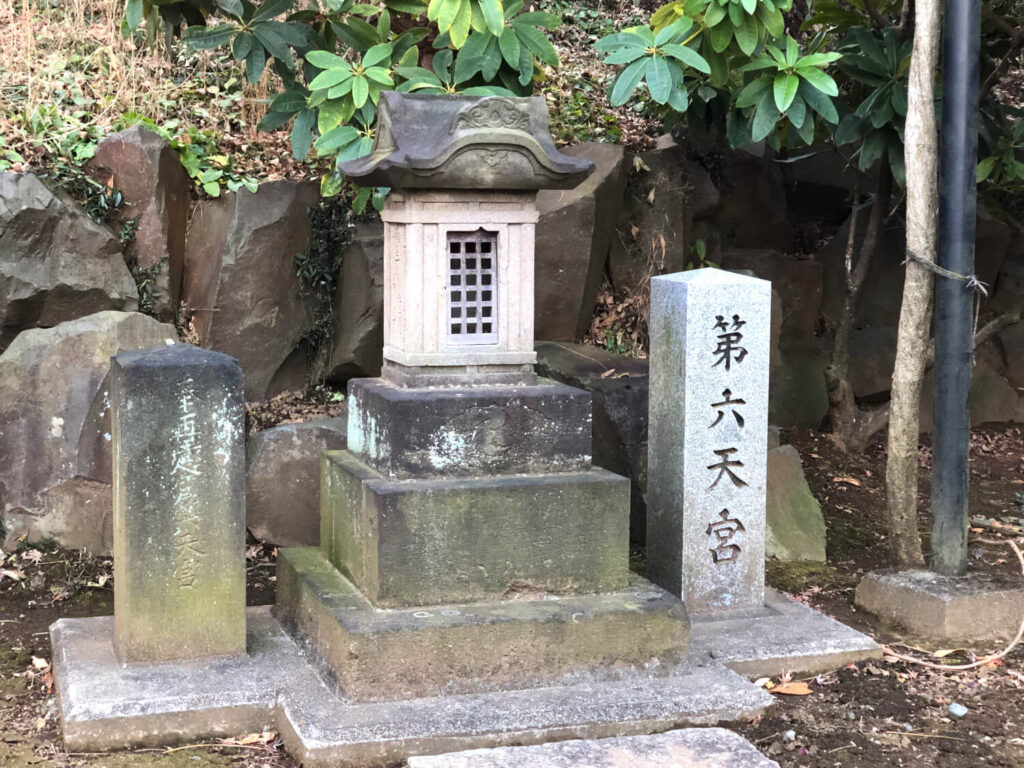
(471, 587)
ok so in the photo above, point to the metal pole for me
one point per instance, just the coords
(953, 299)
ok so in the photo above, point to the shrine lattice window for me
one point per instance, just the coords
(472, 285)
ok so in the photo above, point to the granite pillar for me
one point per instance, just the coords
(708, 437)
(179, 504)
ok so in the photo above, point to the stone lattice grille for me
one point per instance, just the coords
(472, 277)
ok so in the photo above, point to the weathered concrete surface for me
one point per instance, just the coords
(524, 640)
(466, 431)
(106, 705)
(424, 542)
(55, 444)
(794, 525)
(688, 748)
(56, 264)
(282, 480)
(574, 234)
(973, 608)
(179, 504)
(148, 172)
(782, 636)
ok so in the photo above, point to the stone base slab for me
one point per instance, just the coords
(522, 641)
(687, 748)
(425, 542)
(446, 370)
(971, 608)
(106, 705)
(784, 636)
(466, 431)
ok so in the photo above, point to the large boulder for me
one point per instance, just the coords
(651, 234)
(357, 343)
(574, 235)
(798, 281)
(157, 192)
(56, 263)
(55, 434)
(618, 386)
(1012, 340)
(240, 282)
(798, 394)
(794, 525)
(282, 478)
(872, 360)
(753, 212)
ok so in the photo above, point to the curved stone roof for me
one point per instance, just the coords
(464, 142)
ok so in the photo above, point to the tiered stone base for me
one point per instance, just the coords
(521, 641)
(106, 705)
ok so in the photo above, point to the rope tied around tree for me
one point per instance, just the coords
(972, 283)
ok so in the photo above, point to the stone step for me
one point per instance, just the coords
(688, 748)
(521, 641)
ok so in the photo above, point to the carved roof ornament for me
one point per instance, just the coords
(426, 141)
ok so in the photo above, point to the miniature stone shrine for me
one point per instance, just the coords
(706, 479)
(471, 587)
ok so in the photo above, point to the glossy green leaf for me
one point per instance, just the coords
(329, 115)
(325, 60)
(797, 112)
(360, 90)
(819, 80)
(255, 63)
(659, 80)
(377, 54)
(508, 43)
(784, 88)
(985, 168)
(341, 90)
(850, 129)
(379, 75)
(872, 150)
(329, 78)
(540, 19)
(766, 116)
(748, 35)
(493, 15)
(679, 100)
(752, 92)
(132, 17)
(335, 138)
(289, 101)
(749, 6)
(720, 37)
(461, 24)
(241, 45)
(275, 46)
(618, 40)
(274, 120)
(331, 184)
(819, 102)
(271, 9)
(624, 55)
(714, 15)
(208, 38)
(688, 56)
(539, 45)
(626, 82)
(302, 134)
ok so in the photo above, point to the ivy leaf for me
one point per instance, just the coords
(626, 82)
(659, 79)
(785, 90)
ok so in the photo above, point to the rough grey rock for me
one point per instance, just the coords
(872, 359)
(651, 234)
(993, 399)
(240, 282)
(687, 748)
(753, 211)
(798, 395)
(619, 412)
(357, 344)
(573, 238)
(795, 525)
(282, 497)
(56, 263)
(1012, 340)
(156, 189)
(798, 282)
(55, 449)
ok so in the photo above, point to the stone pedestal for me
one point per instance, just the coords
(179, 504)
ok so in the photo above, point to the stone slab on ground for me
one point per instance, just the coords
(106, 705)
(784, 636)
(927, 604)
(526, 639)
(685, 748)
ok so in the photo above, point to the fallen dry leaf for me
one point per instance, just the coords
(847, 481)
(795, 688)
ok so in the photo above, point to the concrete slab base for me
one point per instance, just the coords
(106, 705)
(688, 748)
(784, 636)
(971, 608)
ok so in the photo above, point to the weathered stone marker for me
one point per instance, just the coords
(708, 437)
(179, 504)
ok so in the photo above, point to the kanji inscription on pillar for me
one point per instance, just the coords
(710, 339)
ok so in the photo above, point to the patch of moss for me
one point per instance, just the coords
(186, 758)
(846, 537)
(795, 576)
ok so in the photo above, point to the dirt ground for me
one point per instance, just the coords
(877, 715)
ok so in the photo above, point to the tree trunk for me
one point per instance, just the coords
(921, 150)
(852, 427)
